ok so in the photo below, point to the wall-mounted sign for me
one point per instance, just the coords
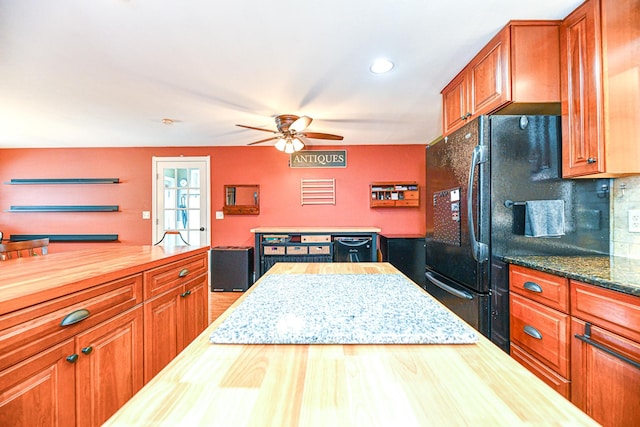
(318, 159)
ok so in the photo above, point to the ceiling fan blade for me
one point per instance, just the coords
(317, 135)
(254, 128)
(263, 140)
(301, 124)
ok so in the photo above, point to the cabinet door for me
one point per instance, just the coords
(195, 311)
(581, 92)
(604, 386)
(455, 104)
(40, 391)
(162, 332)
(109, 368)
(490, 80)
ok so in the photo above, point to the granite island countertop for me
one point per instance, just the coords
(341, 309)
(610, 272)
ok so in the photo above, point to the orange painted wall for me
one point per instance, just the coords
(279, 190)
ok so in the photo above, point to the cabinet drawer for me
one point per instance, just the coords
(615, 311)
(30, 330)
(297, 250)
(544, 288)
(541, 331)
(273, 250)
(550, 377)
(324, 238)
(408, 202)
(320, 250)
(411, 195)
(161, 279)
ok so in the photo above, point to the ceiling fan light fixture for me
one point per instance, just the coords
(289, 148)
(280, 144)
(381, 66)
(297, 144)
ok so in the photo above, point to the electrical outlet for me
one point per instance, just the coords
(634, 221)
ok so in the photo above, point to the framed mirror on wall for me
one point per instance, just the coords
(241, 200)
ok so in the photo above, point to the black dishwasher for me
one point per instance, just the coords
(352, 249)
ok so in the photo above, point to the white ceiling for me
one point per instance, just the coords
(78, 73)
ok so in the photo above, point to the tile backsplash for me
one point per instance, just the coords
(624, 243)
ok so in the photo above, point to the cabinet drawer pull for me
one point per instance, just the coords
(532, 332)
(183, 272)
(87, 350)
(73, 358)
(591, 160)
(75, 317)
(586, 338)
(185, 294)
(533, 287)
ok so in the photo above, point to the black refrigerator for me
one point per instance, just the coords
(478, 180)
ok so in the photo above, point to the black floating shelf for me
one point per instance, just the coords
(66, 237)
(65, 208)
(64, 181)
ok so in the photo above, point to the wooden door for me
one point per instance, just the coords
(604, 386)
(581, 92)
(162, 332)
(195, 309)
(109, 368)
(490, 79)
(455, 103)
(41, 390)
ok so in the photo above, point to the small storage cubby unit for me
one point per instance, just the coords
(305, 244)
(394, 194)
(295, 247)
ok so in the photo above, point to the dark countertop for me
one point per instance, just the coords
(616, 273)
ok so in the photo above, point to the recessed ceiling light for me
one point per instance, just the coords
(167, 121)
(380, 66)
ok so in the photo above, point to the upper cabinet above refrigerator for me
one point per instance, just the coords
(518, 71)
(600, 87)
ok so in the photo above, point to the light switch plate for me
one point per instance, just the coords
(219, 215)
(634, 221)
(146, 215)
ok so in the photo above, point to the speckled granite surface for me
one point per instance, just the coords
(619, 274)
(341, 309)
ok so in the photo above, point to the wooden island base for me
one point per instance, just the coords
(344, 385)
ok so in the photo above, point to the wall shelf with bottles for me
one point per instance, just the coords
(394, 194)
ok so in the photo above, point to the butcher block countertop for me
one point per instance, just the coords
(344, 384)
(28, 281)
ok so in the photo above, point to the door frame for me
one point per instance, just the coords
(154, 194)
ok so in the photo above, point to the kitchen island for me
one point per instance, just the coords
(344, 384)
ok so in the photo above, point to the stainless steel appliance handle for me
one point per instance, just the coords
(479, 250)
(453, 291)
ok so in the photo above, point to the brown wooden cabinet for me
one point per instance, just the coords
(520, 65)
(539, 325)
(394, 194)
(605, 354)
(40, 391)
(173, 318)
(75, 359)
(600, 89)
(109, 366)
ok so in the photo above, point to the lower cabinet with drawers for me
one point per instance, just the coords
(583, 340)
(76, 359)
(539, 325)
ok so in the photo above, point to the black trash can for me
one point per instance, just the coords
(231, 268)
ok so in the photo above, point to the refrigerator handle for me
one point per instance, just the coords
(479, 250)
(453, 291)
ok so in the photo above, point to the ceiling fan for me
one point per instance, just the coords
(290, 133)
